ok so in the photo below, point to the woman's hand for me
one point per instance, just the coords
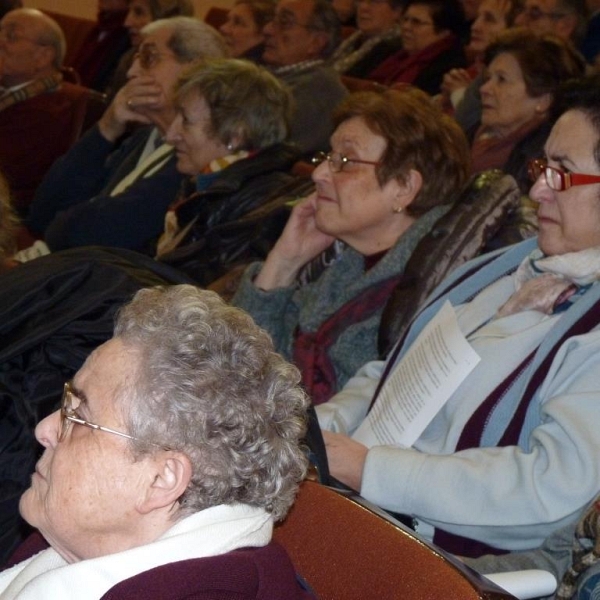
(346, 458)
(133, 103)
(300, 242)
(454, 80)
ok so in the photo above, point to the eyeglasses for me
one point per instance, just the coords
(149, 57)
(414, 22)
(535, 14)
(338, 161)
(556, 179)
(286, 21)
(12, 36)
(68, 414)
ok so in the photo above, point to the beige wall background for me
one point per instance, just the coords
(87, 8)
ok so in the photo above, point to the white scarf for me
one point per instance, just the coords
(543, 283)
(210, 532)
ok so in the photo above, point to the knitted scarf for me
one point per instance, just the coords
(586, 551)
(33, 88)
(357, 46)
(174, 232)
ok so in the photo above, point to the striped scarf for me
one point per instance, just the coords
(33, 88)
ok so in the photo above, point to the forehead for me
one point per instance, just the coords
(574, 138)
(419, 10)
(356, 132)
(105, 371)
(505, 61)
(21, 21)
(543, 5)
(493, 6)
(242, 10)
(158, 39)
(299, 8)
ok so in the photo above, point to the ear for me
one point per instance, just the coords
(566, 26)
(543, 104)
(407, 190)
(171, 472)
(317, 43)
(44, 57)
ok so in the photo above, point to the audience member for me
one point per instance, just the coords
(104, 45)
(140, 14)
(115, 193)
(345, 11)
(36, 106)
(565, 18)
(523, 73)
(431, 31)
(175, 449)
(301, 36)
(229, 135)
(243, 30)
(377, 37)
(493, 17)
(396, 165)
(510, 452)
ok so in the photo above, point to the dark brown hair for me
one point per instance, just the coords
(418, 136)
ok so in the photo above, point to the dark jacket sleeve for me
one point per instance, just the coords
(129, 220)
(75, 177)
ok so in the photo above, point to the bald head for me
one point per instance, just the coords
(32, 45)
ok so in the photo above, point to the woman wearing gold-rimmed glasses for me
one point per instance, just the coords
(396, 164)
(176, 448)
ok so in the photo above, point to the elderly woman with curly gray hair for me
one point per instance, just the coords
(174, 451)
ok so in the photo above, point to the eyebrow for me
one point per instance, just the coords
(78, 392)
(561, 159)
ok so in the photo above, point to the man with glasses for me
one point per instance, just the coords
(111, 192)
(300, 37)
(36, 106)
(565, 18)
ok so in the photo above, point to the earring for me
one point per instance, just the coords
(398, 210)
(230, 147)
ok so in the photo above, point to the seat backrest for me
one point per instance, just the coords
(354, 84)
(347, 550)
(88, 106)
(76, 31)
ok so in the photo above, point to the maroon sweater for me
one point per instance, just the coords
(245, 574)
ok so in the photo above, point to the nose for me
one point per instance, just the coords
(47, 430)
(128, 19)
(540, 191)
(521, 20)
(135, 70)
(174, 130)
(322, 173)
(485, 87)
(269, 29)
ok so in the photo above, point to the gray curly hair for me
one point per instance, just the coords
(208, 383)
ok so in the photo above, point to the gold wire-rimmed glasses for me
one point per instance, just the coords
(338, 161)
(68, 414)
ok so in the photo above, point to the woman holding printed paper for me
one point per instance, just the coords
(509, 450)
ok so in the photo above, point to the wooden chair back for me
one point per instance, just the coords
(348, 550)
